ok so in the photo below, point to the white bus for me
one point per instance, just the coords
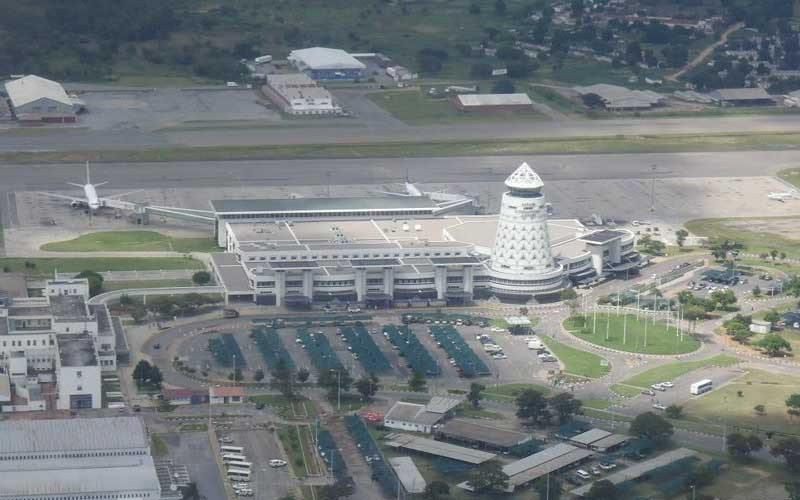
(231, 449)
(700, 387)
(238, 474)
(233, 457)
(239, 465)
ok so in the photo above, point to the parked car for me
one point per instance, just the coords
(668, 385)
(607, 465)
(595, 471)
(277, 462)
(658, 387)
(659, 406)
(649, 392)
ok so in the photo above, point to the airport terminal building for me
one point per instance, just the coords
(405, 250)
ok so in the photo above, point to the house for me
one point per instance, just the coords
(417, 417)
(182, 396)
(226, 395)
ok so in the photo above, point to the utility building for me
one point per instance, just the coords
(37, 99)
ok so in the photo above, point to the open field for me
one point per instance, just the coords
(631, 335)
(415, 108)
(757, 388)
(674, 370)
(758, 235)
(577, 145)
(791, 176)
(110, 286)
(47, 266)
(577, 362)
(131, 241)
(509, 392)
(625, 391)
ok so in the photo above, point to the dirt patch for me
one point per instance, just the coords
(786, 227)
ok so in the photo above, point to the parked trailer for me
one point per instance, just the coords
(231, 449)
(233, 457)
(263, 59)
(238, 474)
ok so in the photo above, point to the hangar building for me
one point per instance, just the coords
(37, 99)
(76, 459)
(383, 251)
(321, 63)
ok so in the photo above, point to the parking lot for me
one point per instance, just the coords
(193, 450)
(260, 447)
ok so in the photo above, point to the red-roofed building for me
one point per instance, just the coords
(180, 396)
(226, 395)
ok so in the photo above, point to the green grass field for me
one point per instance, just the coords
(752, 232)
(47, 266)
(577, 362)
(577, 145)
(758, 388)
(131, 241)
(625, 391)
(415, 108)
(674, 370)
(660, 339)
(791, 175)
(509, 392)
(110, 286)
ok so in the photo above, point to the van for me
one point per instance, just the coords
(583, 474)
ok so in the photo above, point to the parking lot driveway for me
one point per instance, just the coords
(259, 448)
(193, 450)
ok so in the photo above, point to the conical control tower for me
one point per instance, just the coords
(522, 265)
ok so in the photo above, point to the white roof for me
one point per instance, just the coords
(408, 474)
(325, 58)
(616, 96)
(746, 94)
(78, 434)
(31, 88)
(524, 178)
(439, 404)
(468, 100)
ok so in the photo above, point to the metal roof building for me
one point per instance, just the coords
(468, 431)
(76, 458)
(743, 97)
(438, 448)
(408, 474)
(616, 98)
(599, 440)
(498, 102)
(322, 63)
(34, 98)
(544, 462)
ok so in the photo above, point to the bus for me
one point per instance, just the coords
(231, 449)
(700, 387)
(239, 465)
(238, 474)
(233, 457)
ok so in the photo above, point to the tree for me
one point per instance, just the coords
(475, 9)
(740, 445)
(602, 490)
(201, 277)
(760, 410)
(334, 380)
(480, 70)
(793, 405)
(302, 375)
(431, 60)
(789, 449)
(417, 382)
(138, 313)
(95, 281)
(532, 406)
(474, 396)
(190, 492)
(593, 101)
(756, 291)
(236, 375)
(500, 7)
(258, 375)
(521, 69)
(283, 378)
(436, 490)
(488, 477)
(793, 489)
(651, 426)
(335, 491)
(674, 411)
(680, 237)
(554, 489)
(155, 377)
(503, 87)
(565, 406)
(633, 53)
(774, 345)
(367, 386)
(141, 372)
(723, 299)
(568, 294)
(773, 253)
(772, 316)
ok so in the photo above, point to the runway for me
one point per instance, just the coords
(197, 174)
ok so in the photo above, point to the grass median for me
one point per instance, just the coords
(672, 371)
(131, 241)
(47, 266)
(629, 333)
(575, 145)
(576, 361)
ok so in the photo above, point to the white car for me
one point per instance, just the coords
(658, 387)
(659, 406)
(668, 385)
(276, 462)
(499, 355)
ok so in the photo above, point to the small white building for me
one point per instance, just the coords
(419, 418)
(760, 326)
(226, 395)
(298, 94)
(34, 98)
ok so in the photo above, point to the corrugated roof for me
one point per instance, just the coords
(539, 458)
(31, 88)
(227, 392)
(615, 96)
(325, 58)
(408, 474)
(439, 404)
(746, 94)
(433, 447)
(481, 432)
(467, 100)
(322, 204)
(79, 434)
(590, 436)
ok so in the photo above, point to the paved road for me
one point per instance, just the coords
(194, 174)
(80, 139)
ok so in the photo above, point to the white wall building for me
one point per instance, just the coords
(34, 98)
(298, 94)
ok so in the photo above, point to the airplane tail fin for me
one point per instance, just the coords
(75, 184)
(88, 176)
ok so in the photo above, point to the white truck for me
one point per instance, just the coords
(263, 59)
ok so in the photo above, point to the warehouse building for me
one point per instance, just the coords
(493, 102)
(437, 448)
(37, 99)
(474, 433)
(599, 440)
(297, 94)
(82, 458)
(743, 97)
(419, 418)
(321, 63)
(385, 251)
(57, 342)
(616, 98)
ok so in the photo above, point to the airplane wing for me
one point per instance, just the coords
(61, 196)
(114, 196)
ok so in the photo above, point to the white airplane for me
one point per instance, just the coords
(782, 197)
(90, 198)
(445, 200)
